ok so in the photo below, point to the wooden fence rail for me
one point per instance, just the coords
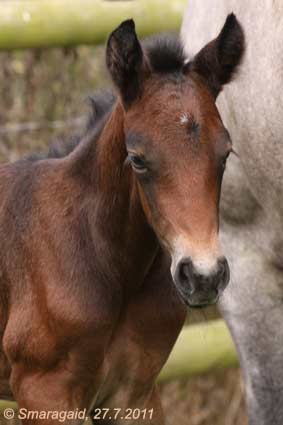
(200, 349)
(50, 23)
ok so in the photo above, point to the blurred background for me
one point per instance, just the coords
(44, 97)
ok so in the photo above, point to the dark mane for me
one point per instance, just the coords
(100, 104)
(165, 53)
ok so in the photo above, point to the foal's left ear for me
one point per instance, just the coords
(217, 62)
(125, 61)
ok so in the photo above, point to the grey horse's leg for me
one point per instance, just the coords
(253, 309)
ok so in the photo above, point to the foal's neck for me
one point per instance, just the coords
(120, 219)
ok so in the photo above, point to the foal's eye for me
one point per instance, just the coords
(137, 163)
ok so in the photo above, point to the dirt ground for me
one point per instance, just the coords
(43, 96)
(215, 399)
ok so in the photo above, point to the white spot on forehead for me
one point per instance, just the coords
(184, 118)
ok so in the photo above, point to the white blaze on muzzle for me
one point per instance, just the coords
(203, 257)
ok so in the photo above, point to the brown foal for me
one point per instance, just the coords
(89, 310)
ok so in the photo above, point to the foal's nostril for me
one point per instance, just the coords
(184, 277)
(185, 271)
(223, 274)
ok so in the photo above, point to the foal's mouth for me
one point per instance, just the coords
(199, 300)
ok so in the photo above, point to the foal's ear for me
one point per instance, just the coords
(217, 62)
(125, 61)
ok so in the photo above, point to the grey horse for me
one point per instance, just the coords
(252, 200)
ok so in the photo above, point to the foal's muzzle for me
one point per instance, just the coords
(198, 289)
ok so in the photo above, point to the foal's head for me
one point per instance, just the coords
(177, 146)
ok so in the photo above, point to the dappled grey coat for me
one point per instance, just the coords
(252, 202)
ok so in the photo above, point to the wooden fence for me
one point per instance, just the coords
(49, 23)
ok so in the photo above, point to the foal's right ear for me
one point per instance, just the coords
(125, 61)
